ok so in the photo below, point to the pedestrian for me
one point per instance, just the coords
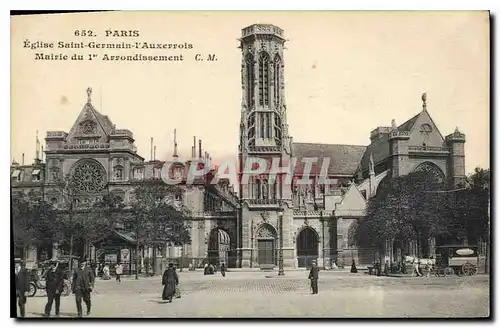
(314, 276)
(205, 269)
(82, 286)
(54, 286)
(353, 267)
(22, 287)
(223, 269)
(118, 271)
(105, 272)
(169, 281)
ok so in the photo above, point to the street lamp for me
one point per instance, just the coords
(281, 272)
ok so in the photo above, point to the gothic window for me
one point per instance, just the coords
(277, 80)
(433, 171)
(89, 127)
(262, 126)
(425, 129)
(89, 177)
(250, 80)
(264, 79)
(275, 190)
(257, 189)
(268, 125)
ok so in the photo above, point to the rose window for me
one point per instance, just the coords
(89, 177)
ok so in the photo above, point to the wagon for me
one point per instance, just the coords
(457, 259)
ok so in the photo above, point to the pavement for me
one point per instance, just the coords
(264, 294)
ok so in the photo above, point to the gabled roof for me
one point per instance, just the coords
(88, 113)
(408, 125)
(344, 159)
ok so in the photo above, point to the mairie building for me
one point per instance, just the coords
(241, 227)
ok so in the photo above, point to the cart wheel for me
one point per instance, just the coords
(448, 271)
(469, 269)
(32, 289)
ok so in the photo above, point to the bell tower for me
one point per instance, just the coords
(263, 126)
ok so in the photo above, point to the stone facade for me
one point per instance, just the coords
(315, 221)
(319, 219)
(104, 160)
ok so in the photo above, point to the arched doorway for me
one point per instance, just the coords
(219, 248)
(266, 246)
(307, 247)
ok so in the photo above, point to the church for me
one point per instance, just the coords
(316, 221)
(250, 226)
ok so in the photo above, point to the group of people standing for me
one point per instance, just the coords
(82, 284)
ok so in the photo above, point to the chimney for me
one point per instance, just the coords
(151, 149)
(154, 153)
(192, 151)
(22, 161)
(199, 149)
(41, 155)
(175, 143)
(194, 147)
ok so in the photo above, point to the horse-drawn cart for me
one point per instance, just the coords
(462, 260)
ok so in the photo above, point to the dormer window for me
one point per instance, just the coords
(16, 174)
(35, 175)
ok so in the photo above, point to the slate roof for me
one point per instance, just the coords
(408, 125)
(344, 159)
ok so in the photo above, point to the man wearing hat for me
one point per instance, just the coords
(54, 286)
(313, 276)
(22, 287)
(83, 283)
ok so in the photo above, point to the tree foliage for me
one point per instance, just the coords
(157, 217)
(416, 206)
(34, 223)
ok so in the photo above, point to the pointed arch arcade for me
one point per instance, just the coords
(264, 78)
(432, 170)
(307, 246)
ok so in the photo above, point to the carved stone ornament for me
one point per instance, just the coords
(265, 216)
(89, 177)
(265, 231)
(89, 127)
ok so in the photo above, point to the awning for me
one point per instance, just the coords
(16, 173)
(35, 172)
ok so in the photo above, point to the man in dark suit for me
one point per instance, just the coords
(313, 276)
(22, 287)
(54, 286)
(83, 283)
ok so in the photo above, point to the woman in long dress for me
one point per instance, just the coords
(105, 272)
(169, 281)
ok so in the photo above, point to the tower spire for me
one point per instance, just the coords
(424, 101)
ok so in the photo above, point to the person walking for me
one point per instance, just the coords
(314, 276)
(169, 281)
(22, 287)
(105, 272)
(83, 283)
(118, 271)
(54, 286)
(223, 269)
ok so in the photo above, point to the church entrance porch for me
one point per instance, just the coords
(219, 248)
(307, 247)
(267, 246)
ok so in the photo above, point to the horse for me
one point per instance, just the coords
(419, 264)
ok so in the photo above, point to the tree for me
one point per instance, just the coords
(403, 209)
(34, 223)
(156, 217)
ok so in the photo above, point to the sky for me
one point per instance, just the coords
(345, 74)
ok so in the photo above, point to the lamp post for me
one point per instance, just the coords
(281, 272)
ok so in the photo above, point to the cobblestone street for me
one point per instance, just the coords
(259, 294)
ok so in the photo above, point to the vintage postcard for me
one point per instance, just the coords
(251, 164)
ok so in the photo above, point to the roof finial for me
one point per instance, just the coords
(424, 101)
(89, 95)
